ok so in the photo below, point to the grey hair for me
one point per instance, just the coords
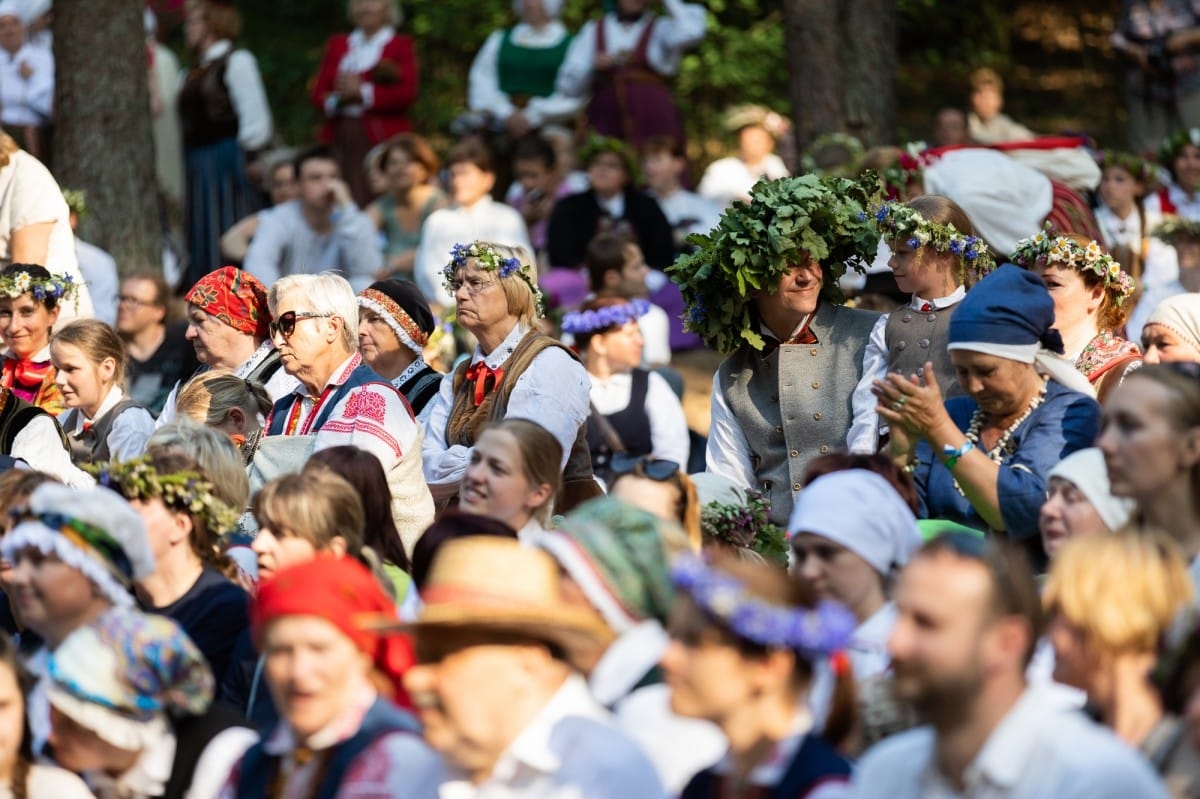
(324, 293)
(219, 459)
(395, 15)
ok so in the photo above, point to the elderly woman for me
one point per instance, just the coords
(851, 533)
(981, 459)
(1079, 501)
(333, 727)
(1110, 601)
(1151, 425)
(1172, 331)
(394, 326)
(340, 399)
(131, 707)
(365, 86)
(1092, 298)
(763, 290)
(514, 371)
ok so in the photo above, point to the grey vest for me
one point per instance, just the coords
(793, 403)
(914, 338)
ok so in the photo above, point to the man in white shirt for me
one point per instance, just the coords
(496, 685)
(969, 617)
(321, 231)
(98, 267)
(26, 81)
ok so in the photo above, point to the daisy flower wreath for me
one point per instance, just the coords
(1045, 248)
(898, 221)
(487, 259)
(786, 222)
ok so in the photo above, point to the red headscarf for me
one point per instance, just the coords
(343, 592)
(237, 298)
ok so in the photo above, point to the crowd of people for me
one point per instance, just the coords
(385, 487)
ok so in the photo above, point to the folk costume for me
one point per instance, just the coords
(776, 404)
(118, 431)
(400, 304)
(32, 378)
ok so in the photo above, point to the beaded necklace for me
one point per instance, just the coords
(996, 454)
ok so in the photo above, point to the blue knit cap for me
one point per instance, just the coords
(1009, 307)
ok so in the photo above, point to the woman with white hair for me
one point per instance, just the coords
(515, 371)
(341, 400)
(513, 75)
(365, 86)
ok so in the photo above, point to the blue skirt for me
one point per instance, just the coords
(218, 195)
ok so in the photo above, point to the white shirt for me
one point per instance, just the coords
(668, 426)
(1037, 751)
(29, 195)
(362, 53)
(679, 747)
(1160, 265)
(1186, 205)
(486, 220)
(285, 245)
(866, 427)
(729, 179)
(656, 335)
(26, 101)
(727, 452)
(684, 208)
(129, 433)
(100, 273)
(553, 392)
(149, 776)
(683, 27)
(39, 445)
(45, 780)
(570, 750)
(247, 94)
(483, 87)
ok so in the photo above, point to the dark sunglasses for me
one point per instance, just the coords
(656, 469)
(285, 324)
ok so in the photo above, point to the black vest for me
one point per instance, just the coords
(90, 445)
(206, 112)
(632, 424)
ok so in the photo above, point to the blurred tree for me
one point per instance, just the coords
(103, 143)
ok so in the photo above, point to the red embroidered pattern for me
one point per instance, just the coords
(366, 403)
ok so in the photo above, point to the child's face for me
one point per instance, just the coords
(661, 170)
(534, 174)
(1118, 188)
(986, 101)
(1186, 168)
(634, 272)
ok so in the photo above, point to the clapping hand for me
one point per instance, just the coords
(911, 405)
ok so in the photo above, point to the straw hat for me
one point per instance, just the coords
(497, 584)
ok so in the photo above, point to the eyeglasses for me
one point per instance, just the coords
(475, 286)
(125, 299)
(285, 324)
(657, 469)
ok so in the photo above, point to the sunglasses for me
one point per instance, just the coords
(285, 324)
(656, 469)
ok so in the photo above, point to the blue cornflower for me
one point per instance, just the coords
(912, 242)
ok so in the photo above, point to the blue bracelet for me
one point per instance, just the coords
(951, 456)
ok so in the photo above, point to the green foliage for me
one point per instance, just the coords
(785, 223)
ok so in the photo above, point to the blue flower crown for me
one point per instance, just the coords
(814, 633)
(19, 281)
(579, 323)
(487, 259)
(899, 221)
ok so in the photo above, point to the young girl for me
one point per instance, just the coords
(30, 298)
(233, 405)
(1121, 213)
(633, 409)
(513, 475)
(19, 775)
(745, 641)
(102, 423)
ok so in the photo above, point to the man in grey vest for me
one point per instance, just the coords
(763, 289)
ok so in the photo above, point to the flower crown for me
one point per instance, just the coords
(1174, 228)
(812, 632)
(597, 144)
(1174, 143)
(579, 323)
(899, 221)
(746, 526)
(1046, 248)
(18, 281)
(185, 491)
(487, 259)
(1139, 168)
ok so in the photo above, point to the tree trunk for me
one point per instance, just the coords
(842, 60)
(103, 143)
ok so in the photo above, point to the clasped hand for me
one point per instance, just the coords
(911, 405)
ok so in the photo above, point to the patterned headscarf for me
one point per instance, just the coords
(122, 675)
(237, 298)
(344, 593)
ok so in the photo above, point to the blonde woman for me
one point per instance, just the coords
(228, 403)
(1109, 600)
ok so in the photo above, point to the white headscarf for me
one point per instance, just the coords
(1085, 470)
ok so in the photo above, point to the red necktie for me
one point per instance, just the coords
(479, 373)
